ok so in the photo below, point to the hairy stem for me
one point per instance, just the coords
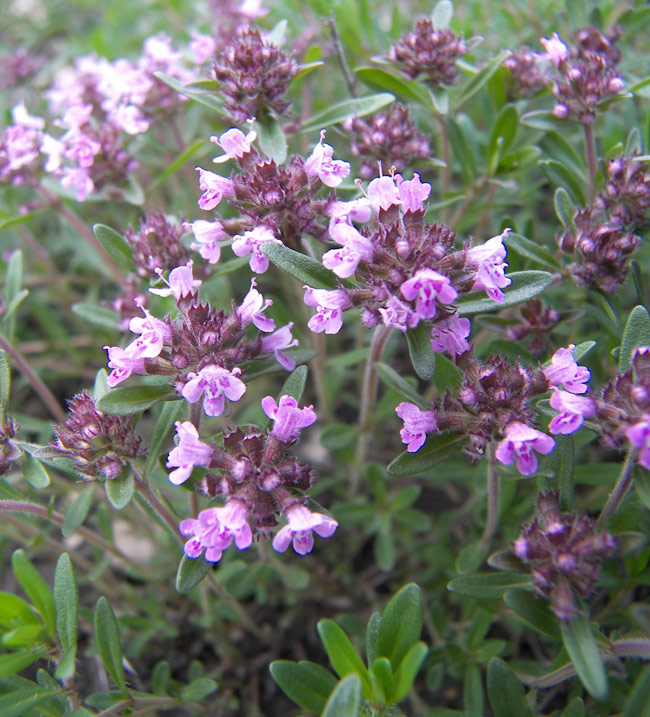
(156, 505)
(590, 149)
(620, 489)
(445, 149)
(247, 620)
(340, 54)
(493, 496)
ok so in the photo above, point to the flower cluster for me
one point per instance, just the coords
(257, 480)
(429, 53)
(535, 322)
(254, 76)
(526, 73)
(157, 245)
(626, 190)
(99, 444)
(390, 138)
(20, 147)
(202, 352)
(564, 553)
(406, 270)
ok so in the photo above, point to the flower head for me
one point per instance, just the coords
(180, 284)
(234, 143)
(287, 418)
(216, 384)
(451, 335)
(573, 411)
(320, 164)
(250, 242)
(330, 305)
(564, 371)
(189, 452)
(277, 343)
(208, 235)
(252, 309)
(214, 530)
(425, 287)
(639, 437)
(300, 524)
(518, 446)
(417, 423)
(214, 188)
(487, 259)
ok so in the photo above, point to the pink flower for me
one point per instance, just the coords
(301, 522)
(234, 143)
(330, 306)
(451, 335)
(277, 343)
(564, 371)
(214, 187)
(203, 47)
(487, 259)
(250, 242)
(214, 530)
(417, 424)
(413, 194)
(426, 286)
(287, 418)
(252, 309)
(398, 315)
(573, 411)
(356, 248)
(639, 437)
(79, 180)
(189, 452)
(153, 334)
(383, 193)
(124, 362)
(358, 210)
(518, 445)
(216, 384)
(331, 172)
(556, 50)
(181, 282)
(208, 235)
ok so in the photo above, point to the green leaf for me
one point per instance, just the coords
(637, 703)
(564, 208)
(119, 491)
(14, 662)
(437, 449)
(36, 589)
(161, 677)
(5, 382)
(133, 399)
(561, 176)
(408, 90)
(272, 140)
(66, 601)
(107, 636)
(372, 636)
(533, 611)
(382, 672)
(115, 245)
(101, 384)
(12, 306)
(34, 472)
(359, 106)
(583, 651)
(23, 636)
(525, 285)
(635, 334)
(198, 689)
(97, 315)
(422, 356)
(301, 267)
(471, 557)
(23, 218)
(532, 250)
(26, 701)
(170, 412)
(544, 120)
(341, 653)
(461, 150)
(447, 375)
(190, 572)
(295, 384)
(489, 586)
(442, 14)
(14, 610)
(476, 83)
(179, 162)
(576, 708)
(384, 549)
(309, 685)
(502, 136)
(78, 510)
(505, 692)
(407, 671)
(14, 292)
(345, 700)
(209, 99)
(401, 624)
(473, 695)
(270, 364)
(393, 380)
(562, 463)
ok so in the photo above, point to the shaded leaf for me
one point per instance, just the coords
(36, 589)
(437, 449)
(422, 356)
(66, 601)
(78, 510)
(345, 700)
(97, 315)
(379, 79)
(476, 83)
(359, 106)
(272, 140)
(309, 685)
(300, 266)
(198, 689)
(115, 246)
(583, 651)
(133, 399)
(107, 636)
(564, 208)
(505, 692)
(533, 611)
(119, 491)
(191, 572)
(531, 250)
(344, 658)
(401, 624)
(34, 472)
(295, 384)
(170, 412)
(393, 380)
(635, 334)
(489, 586)
(525, 285)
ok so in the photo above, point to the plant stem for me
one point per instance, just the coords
(590, 148)
(368, 396)
(445, 148)
(493, 496)
(44, 393)
(156, 505)
(340, 54)
(620, 489)
(241, 611)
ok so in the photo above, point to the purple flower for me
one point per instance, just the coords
(556, 50)
(214, 530)
(398, 315)
(518, 445)
(344, 262)
(358, 210)
(487, 259)
(329, 313)
(153, 334)
(124, 362)
(301, 522)
(639, 437)
(573, 411)
(214, 187)
(277, 343)
(417, 424)
(189, 452)
(383, 193)
(451, 335)
(287, 418)
(250, 242)
(181, 282)
(564, 371)
(208, 235)
(217, 383)
(203, 47)
(234, 143)
(413, 194)
(331, 172)
(426, 286)
(252, 309)
(79, 180)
